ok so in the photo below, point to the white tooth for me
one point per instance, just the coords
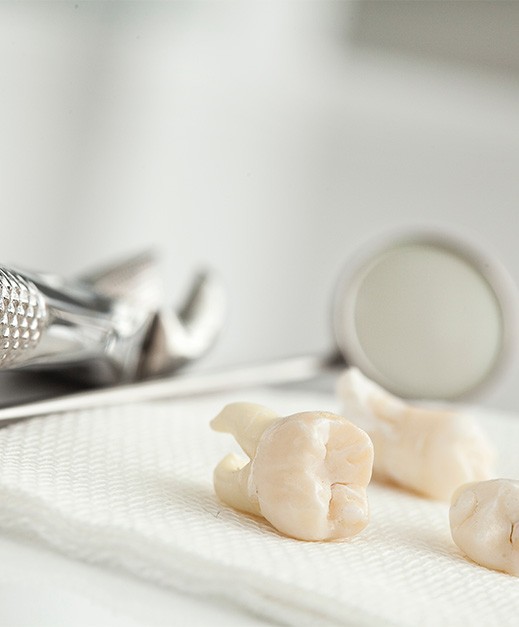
(246, 422)
(484, 519)
(307, 475)
(427, 451)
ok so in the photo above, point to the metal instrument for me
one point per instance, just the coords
(106, 328)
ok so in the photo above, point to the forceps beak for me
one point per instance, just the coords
(176, 339)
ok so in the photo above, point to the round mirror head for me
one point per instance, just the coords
(426, 317)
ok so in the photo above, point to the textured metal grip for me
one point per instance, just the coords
(23, 316)
(107, 328)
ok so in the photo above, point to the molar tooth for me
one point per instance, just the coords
(483, 520)
(427, 451)
(307, 475)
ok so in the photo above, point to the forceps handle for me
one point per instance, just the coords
(289, 370)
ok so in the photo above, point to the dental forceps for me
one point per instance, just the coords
(424, 314)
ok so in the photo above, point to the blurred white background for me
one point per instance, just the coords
(268, 140)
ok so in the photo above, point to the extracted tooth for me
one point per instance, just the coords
(484, 519)
(428, 451)
(306, 474)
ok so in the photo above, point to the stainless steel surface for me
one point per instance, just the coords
(176, 339)
(107, 328)
(23, 317)
(283, 371)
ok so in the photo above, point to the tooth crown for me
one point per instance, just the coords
(307, 473)
(484, 520)
(23, 316)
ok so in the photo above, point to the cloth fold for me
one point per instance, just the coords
(131, 488)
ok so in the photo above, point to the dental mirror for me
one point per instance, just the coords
(426, 316)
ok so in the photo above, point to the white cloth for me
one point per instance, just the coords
(130, 487)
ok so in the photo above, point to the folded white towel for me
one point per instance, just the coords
(131, 487)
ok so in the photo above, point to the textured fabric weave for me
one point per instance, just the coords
(131, 488)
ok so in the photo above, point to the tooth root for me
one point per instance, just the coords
(360, 394)
(246, 422)
(424, 450)
(231, 484)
